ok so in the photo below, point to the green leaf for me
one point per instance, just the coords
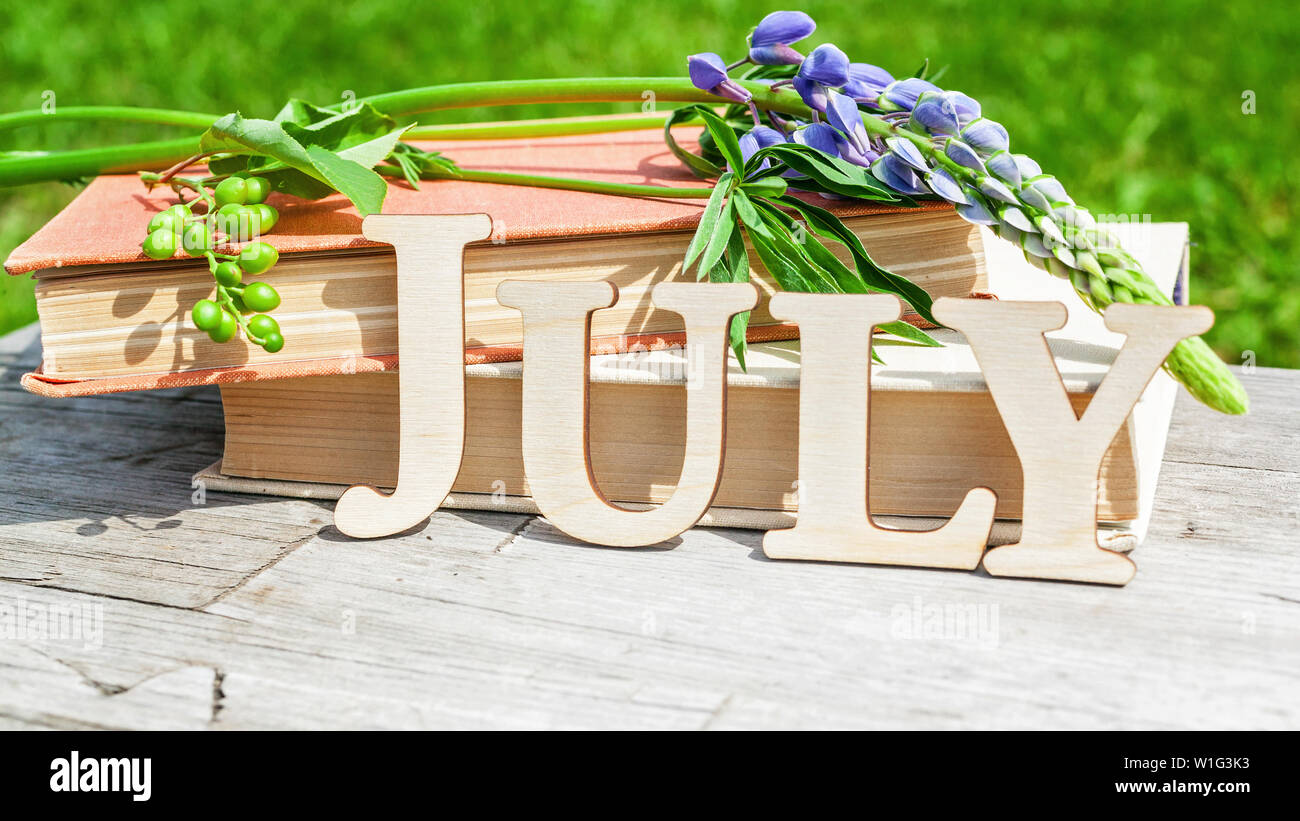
(708, 221)
(735, 269)
(357, 182)
(302, 113)
(724, 137)
(722, 231)
(318, 170)
(698, 165)
(357, 125)
(830, 173)
(828, 225)
(769, 186)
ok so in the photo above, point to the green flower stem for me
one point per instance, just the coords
(88, 162)
(555, 127)
(120, 113)
(573, 90)
(566, 183)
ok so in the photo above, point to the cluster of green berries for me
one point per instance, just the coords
(236, 211)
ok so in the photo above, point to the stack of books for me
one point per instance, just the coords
(321, 414)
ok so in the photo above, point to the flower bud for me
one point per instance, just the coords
(769, 45)
(709, 73)
(898, 176)
(935, 114)
(985, 136)
(943, 184)
(901, 95)
(866, 82)
(1004, 167)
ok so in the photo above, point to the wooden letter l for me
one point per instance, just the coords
(834, 522)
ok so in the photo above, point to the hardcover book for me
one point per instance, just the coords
(107, 311)
(935, 431)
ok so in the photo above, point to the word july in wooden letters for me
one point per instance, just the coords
(1060, 452)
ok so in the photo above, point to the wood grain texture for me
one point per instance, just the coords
(257, 617)
(834, 521)
(556, 406)
(1060, 452)
(431, 327)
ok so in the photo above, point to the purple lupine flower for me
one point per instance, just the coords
(968, 108)
(850, 153)
(943, 184)
(975, 211)
(1004, 167)
(994, 189)
(1028, 168)
(907, 151)
(1033, 197)
(760, 136)
(897, 175)
(1016, 219)
(819, 136)
(985, 136)
(963, 154)
(769, 45)
(709, 73)
(825, 68)
(1051, 188)
(901, 95)
(936, 113)
(843, 115)
(866, 82)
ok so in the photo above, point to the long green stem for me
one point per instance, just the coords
(153, 155)
(567, 183)
(121, 113)
(572, 90)
(552, 127)
(88, 162)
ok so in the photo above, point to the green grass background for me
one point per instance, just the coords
(1136, 107)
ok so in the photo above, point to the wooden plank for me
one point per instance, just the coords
(270, 619)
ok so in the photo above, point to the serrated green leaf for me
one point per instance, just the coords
(302, 113)
(357, 182)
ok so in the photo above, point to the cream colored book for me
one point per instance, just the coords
(935, 431)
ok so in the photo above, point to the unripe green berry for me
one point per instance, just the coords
(231, 190)
(256, 189)
(197, 239)
(166, 221)
(258, 258)
(160, 244)
(228, 274)
(263, 326)
(225, 329)
(267, 216)
(261, 297)
(273, 342)
(206, 315)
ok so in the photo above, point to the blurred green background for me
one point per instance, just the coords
(1137, 108)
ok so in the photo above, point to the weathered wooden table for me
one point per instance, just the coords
(128, 600)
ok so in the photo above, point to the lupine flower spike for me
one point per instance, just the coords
(919, 140)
